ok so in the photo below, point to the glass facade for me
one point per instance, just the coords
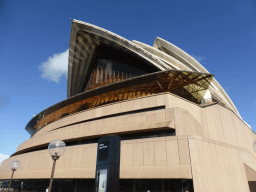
(108, 71)
(111, 65)
(87, 185)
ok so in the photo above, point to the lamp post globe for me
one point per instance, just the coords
(14, 166)
(56, 148)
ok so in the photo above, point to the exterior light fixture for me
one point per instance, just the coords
(14, 166)
(56, 148)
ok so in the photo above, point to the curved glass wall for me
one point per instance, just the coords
(108, 71)
(111, 65)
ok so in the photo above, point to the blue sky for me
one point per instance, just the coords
(34, 37)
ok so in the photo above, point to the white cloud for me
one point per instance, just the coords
(3, 157)
(199, 59)
(55, 67)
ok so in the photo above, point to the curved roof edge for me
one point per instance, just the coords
(111, 37)
(172, 62)
(195, 65)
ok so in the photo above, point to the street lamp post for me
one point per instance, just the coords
(14, 166)
(56, 148)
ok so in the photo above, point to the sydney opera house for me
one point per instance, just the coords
(180, 131)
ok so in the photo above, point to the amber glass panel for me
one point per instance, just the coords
(107, 71)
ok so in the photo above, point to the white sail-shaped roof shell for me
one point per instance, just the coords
(162, 55)
(178, 59)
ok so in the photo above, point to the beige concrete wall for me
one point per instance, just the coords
(173, 101)
(111, 109)
(216, 167)
(223, 125)
(163, 157)
(174, 114)
(212, 145)
(124, 123)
